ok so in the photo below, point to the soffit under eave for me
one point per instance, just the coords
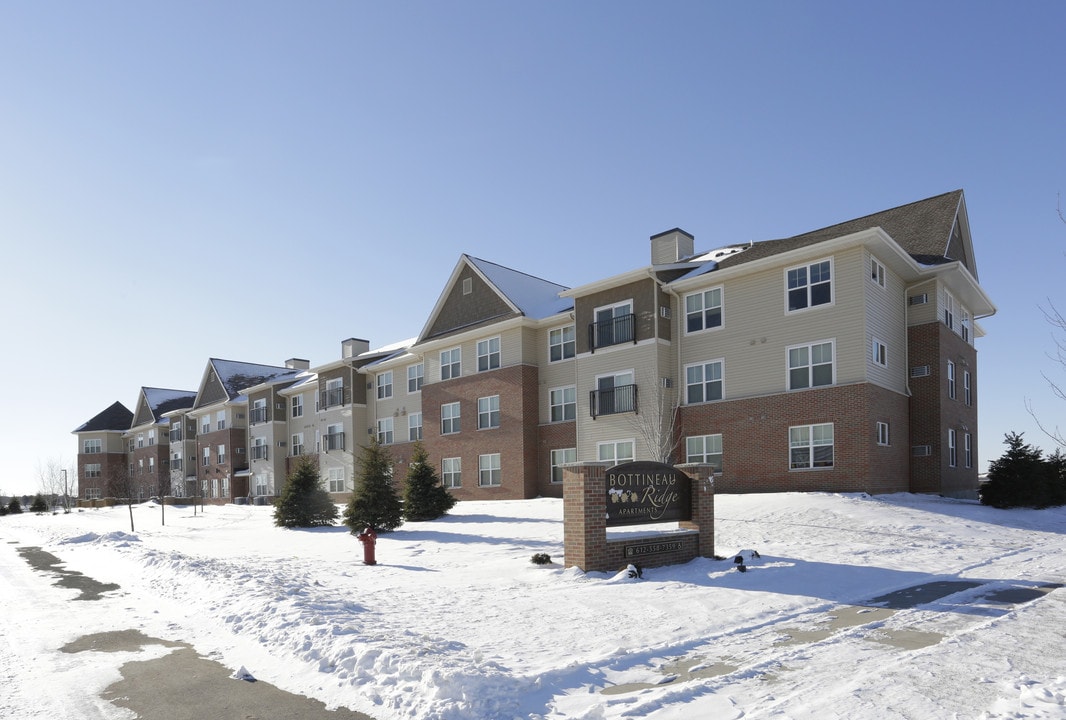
(958, 280)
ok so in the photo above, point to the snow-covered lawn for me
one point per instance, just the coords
(456, 622)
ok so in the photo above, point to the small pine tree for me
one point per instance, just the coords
(38, 505)
(424, 497)
(303, 502)
(374, 503)
(1019, 478)
(14, 507)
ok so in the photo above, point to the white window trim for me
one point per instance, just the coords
(875, 346)
(450, 475)
(685, 382)
(878, 273)
(953, 448)
(702, 293)
(788, 368)
(414, 422)
(553, 464)
(562, 389)
(383, 382)
(457, 417)
(952, 392)
(884, 439)
(562, 345)
(386, 431)
(498, 468)
(967, 442)
(811, 446)
(489, 413)
(705, 454)
(498, 353)
(419, 378)
(616, 443)
(459, 373)
(832, 285)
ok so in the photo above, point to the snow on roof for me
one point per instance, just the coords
(534, 297)
(236, 376)
(162, 400)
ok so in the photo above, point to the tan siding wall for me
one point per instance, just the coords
(922, 314)
(642, 359)
(886, 319)
(756, 331)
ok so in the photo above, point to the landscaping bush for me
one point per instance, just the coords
(303, 502)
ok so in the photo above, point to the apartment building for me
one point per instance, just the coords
(102, 451)
(839, 360)
(148, 440)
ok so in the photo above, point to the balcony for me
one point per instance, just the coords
(612, 331)
(621, 399)
(332, 397)
(175, 464)
(258, 415)
(176, 435)
(334, 441)
(260, 452)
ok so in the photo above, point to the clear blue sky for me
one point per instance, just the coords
(170, 172)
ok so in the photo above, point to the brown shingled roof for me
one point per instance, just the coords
(921, 228)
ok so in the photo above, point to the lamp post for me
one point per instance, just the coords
(66, 492)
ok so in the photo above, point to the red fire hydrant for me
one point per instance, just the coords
(369, 539)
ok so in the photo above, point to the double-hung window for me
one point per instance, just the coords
(449, 418)
(704, 449)
(488, 412)
(297, 444)
(450, 363)
(877, 272)
(488, 354)
(967, 392)
(414, 426)
(297, 406)
(94, 446)
(220, 420)
(882, 433)
(384, 385)
(451, 472)
(703, 382)
(615, 451)
(488, 470)
(951, 379)
(953, 450)
(336, 480)
(562, 343)
(559, 458)
(810, 365)
(221, 454)
(810, 446)
(703, 310)
(385, 431)
(563, 403)
(415, 375)
(810, 285)
(879, 353)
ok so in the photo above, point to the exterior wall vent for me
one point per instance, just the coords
(920, 371)
(921, 450)
(918, 299)
(667, 382)
(664, 311)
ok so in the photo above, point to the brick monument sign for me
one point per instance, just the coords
(597, 496)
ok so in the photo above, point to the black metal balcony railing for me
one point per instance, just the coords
(612, 331)
(260, 452)
(334, 441)
(621, 399)
(259, 415)
(331, 397)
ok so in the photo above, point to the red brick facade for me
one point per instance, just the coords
(755, 439)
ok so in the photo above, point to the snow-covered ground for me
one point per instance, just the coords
(456, 622)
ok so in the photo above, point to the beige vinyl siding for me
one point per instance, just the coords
(886, 320)
(757, 330)
(513, 351)
(642, 360)
(927, 312)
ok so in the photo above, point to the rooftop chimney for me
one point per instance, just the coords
(298, 364)
(671, 246)
(352, 347)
